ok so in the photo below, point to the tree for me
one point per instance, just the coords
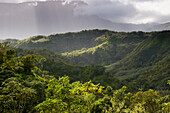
(166, 104)
(28, 63)
(148, 100)
(16, 98)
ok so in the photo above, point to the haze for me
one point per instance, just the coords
(22, 18)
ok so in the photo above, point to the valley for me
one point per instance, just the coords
(126, 57)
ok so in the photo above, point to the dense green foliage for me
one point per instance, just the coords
(58, 66)
(30, 90)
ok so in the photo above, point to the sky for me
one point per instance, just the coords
(29, 19)
(123, 11)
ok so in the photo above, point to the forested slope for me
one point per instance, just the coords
(25, 88)
(130, 57)
(88, 47)
(60, 43)
(148, 63)
(58, 66)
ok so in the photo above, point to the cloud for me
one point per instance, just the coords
(131, 11)
(156, 10)
(126, 11)
(111, 10)
(18, 1)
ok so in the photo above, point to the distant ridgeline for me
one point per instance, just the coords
(138, 59)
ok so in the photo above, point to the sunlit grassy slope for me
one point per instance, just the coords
(62, 42)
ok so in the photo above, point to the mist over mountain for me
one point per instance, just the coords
(22, 20)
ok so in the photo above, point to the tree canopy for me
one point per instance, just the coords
(25, 88)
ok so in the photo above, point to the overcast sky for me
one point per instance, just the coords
(127, 11)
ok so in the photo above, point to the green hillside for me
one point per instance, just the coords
(129, 57)
(156, 77)
(63, 42)
(114, 47)
(148, 64)
(88, 47)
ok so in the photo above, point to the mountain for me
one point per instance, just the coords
(101, 47)
(27, 19)
(113, 47)
(63, 42)
(87, 47)
(137, 59)
(160, 27)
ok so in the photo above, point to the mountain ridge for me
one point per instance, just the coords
(126, 56)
